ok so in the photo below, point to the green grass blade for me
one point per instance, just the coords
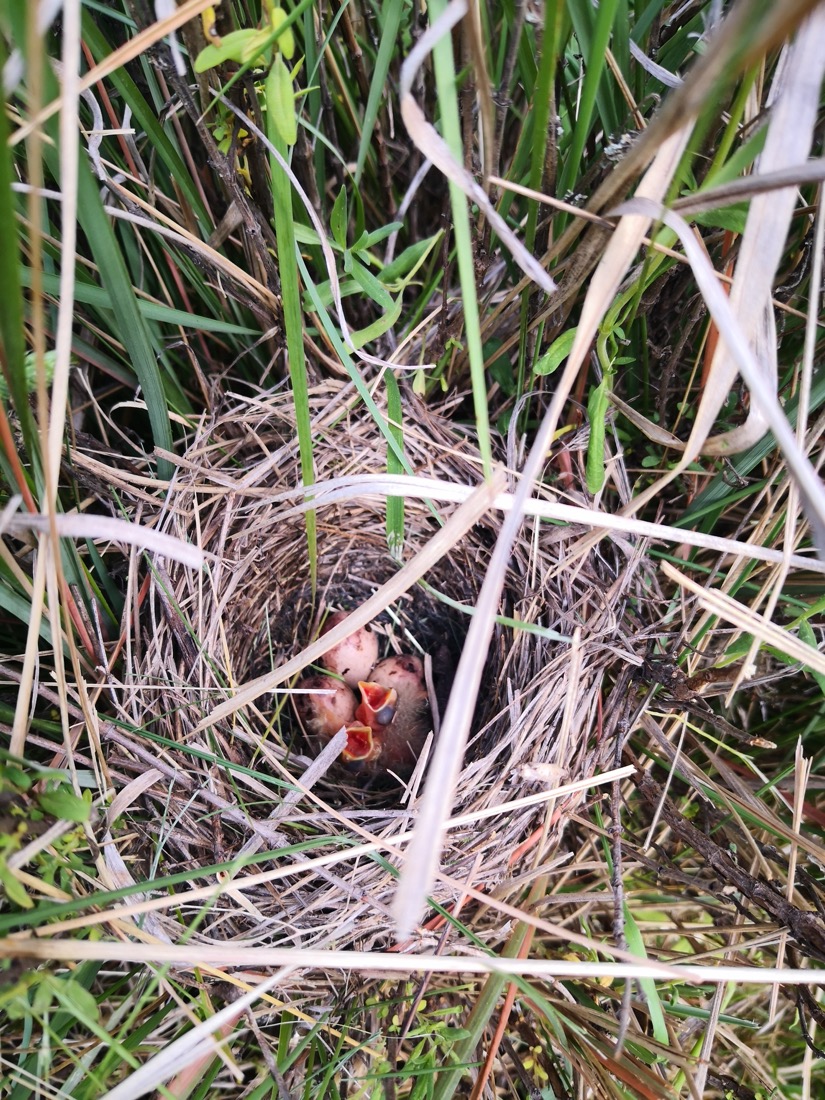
(293, 324)
(542, 102)
(445, 78)
(597, 405)
(130, 323)
(466, 1050)
(395, 505)
(344, 355)
(636, 944)
(391, 13)
(11, 295)
(99, 297)
(594, 46)
(146, 118)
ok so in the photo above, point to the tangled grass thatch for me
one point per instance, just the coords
(243, 785)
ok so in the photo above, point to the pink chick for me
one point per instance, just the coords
(352, 658)
(402, 739)
(323, 715)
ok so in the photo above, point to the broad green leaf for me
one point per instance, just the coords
(305, 234)
(369, 240)
(243, 46)
(404, 267)
(555, 355)
(64, 804)
(75, 997)
(501, 366)
(338, 218)
(731, 217)
(363, 336)
(80, 1005)
(16, 776)
(346, 287)
(372, 287)
(596, 411)
(30, 373)
(286, 39)
(280, 102)
(13, 888)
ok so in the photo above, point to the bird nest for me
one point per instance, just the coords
(314, 843)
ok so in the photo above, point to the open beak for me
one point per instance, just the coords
(362, 746)
(378, 704)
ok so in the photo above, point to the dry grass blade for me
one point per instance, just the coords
(749, 31)
(191, 957)
(787, 139)
(167, 228)
(380, 486)
(100, 528)
(131, 49)
(604, 781)
(235, 481)
(323, 239)
(714, 197)
(245, 884)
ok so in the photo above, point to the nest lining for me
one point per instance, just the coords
(201, 635)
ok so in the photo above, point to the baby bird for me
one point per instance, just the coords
(352, 658)
(322, 715)
(402, 738)
(387, 729)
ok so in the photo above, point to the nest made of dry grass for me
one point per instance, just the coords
(200, 636)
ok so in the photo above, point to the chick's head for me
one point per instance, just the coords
(324, 705)
(352, 658)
